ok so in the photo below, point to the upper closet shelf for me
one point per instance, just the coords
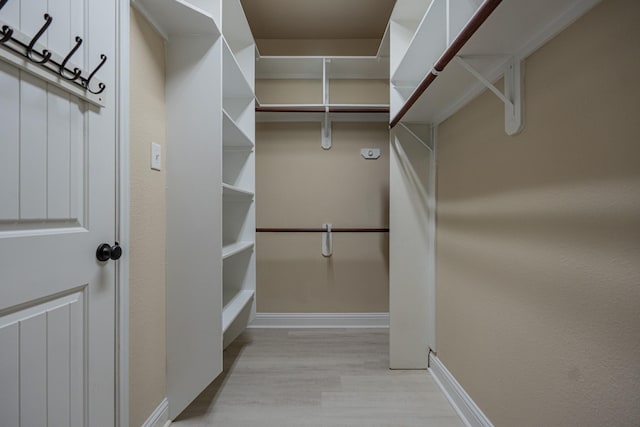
(324, 69)
(177, 17)
(321, 67)
(469, 60)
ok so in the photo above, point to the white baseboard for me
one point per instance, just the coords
(320, 320)
(470, 413)
(160, 416)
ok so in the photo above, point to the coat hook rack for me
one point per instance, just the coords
(26, 53)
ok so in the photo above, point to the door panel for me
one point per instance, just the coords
(10, 147)
(44, 174)
(57, 204)
(39, 382)
(9, 374)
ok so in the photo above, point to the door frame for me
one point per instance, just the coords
(122, 214)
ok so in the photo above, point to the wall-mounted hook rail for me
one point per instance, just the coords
(28, 54)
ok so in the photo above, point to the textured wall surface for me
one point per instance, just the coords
(289, 91)
(538, 236)
(298, 184)
(147, 346)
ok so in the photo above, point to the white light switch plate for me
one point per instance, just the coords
(156, 156)
(370, 153)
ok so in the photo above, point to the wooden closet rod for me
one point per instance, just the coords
(260, 109)
(322, 230)
(469, 30)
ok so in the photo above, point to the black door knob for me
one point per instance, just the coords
(105, 252)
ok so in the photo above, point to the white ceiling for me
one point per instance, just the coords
(318, 19)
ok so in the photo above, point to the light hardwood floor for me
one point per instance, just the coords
(311, 377)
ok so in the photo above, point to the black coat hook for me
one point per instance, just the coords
(9, 41)
(76, 71)
(101, 86)
(7, 32)
(46, 55)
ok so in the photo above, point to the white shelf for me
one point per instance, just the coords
(235, 27)
(384, 48)
(234, 304)
(235, 248)
(516, 28)
(404, 21)
(236, 85)
(426, 46)
(311, 67)
(231, 191)
(177, 17)
(232, 135)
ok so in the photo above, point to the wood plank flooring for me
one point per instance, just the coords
(312, 377)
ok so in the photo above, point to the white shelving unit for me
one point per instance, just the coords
(210, 186)
(425, 90)
(323, 70)
(238, 172)
(422, 31)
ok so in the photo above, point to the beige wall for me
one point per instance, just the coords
(147, 351)
(289, 91)
(538, 236)
(318, 47)
(370, 91)
(298, 184)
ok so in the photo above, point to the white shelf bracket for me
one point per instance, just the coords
(512, 97)
(326, 130)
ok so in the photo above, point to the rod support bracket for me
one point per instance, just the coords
(513, 96)
(326, 130)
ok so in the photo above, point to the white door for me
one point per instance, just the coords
(57, 204)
